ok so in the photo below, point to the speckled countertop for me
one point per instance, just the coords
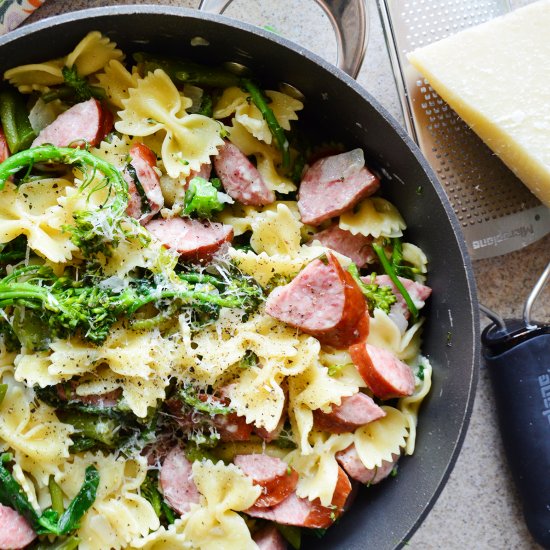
(478, 509)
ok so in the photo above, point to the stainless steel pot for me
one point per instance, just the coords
(383, 516)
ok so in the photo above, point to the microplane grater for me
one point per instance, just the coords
(497, 213)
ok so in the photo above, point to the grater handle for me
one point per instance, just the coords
(349, 19)
(520, 377)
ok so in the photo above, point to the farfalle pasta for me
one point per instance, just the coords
(156, 105)
(187, 336)
(33, 210)
(375, 217)
(235, 101)
(90, 55)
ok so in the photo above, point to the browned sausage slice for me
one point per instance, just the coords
(232, 427)
(82, 124)
(356, 247)
(353, 412)
(273, 475)
(15, 531)
(269, 538)
(382, 371)
(333, 185)
(144, 204)
(324, 301)
(350, 461)
(240, 178)
(303, 512)
(176, 481)
(4, 149)
(194, 240)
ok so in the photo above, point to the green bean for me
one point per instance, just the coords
(15, 120)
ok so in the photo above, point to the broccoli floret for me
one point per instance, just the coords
(377, 296)
(202, 199)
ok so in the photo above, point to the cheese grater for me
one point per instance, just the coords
(498, 214)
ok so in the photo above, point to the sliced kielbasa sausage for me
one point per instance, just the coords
(232, 427)
(350, 461)
(357, 248)
(273, 475)
(176, 481)
(240, 178)
(194, 240)
(145, 198)
(4, 149)
(382, 371)
(324, 301)
(15, 531)
(333, 185)
(353, 412)
(303, 512)
(269, 538)
(85, 123)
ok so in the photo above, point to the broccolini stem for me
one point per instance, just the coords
(68, 155)
(200, 278)
(270, 118)
(395, 279)
(133, 303)
(185, 71)
(89, 425)
(56, 495)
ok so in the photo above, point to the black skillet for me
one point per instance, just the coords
(384, 516)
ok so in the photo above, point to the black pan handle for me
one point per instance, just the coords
(349, 19)
(520, 376)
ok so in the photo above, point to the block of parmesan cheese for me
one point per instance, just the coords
(496, 76)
